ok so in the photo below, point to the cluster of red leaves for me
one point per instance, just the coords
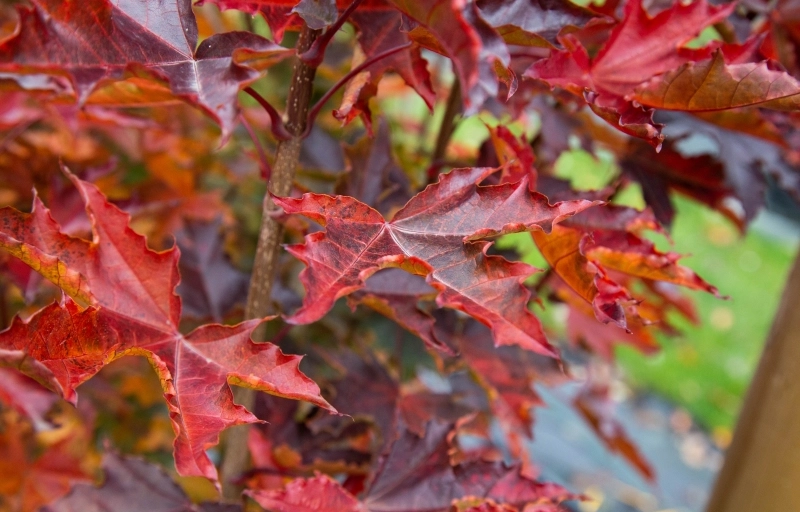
(112, 90)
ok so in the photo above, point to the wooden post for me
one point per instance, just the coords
(762, 467)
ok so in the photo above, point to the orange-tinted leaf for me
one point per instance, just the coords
(515, 155)
(438, 234)
(714, 85)
(635, 256)
(38, 468)
(561, 249)
(473, 504)
(638, 48)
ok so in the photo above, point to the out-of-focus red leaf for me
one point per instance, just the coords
(533, 22)
(132, 485)
(38, 468)
(458, 31)
(99, 40)
(381, 28)
(365, 390)
(28, 397)
(210, 286)
(317, 494)
(373, 176)
(438, 234)
(515, 156)
(508, 371)
(136, 312)
(594, 405)
(416, 476)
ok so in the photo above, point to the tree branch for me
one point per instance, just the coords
(236, 456)
(446, 130)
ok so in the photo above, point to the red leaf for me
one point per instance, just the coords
(210, 286)
(317, 494)
(457, 30)
(98, 40)
(132, 485)
(416, 476)
(136, 312)
(713, 84)
(396, 294)
(593, 405)
(438, 234)
(533, 22)
(639, 48)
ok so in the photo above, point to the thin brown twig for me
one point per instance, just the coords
(287, 157)
(446, 129)
(266, 169)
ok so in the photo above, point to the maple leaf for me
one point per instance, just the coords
(416, 476)
(373, 176)
(438, 233)
(26, 396)
(396, 294)
(508, 371)
(638, 48)
(39, 468)
(747, 152)
(713, 84)
(132, 485)
(515, 155)
(592, 403)
(584, 251)
(457, 31)
(380, 29)
(533, 22)
(100, 40)
(134, 311)
(210, 286)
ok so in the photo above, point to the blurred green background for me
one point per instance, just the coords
(707, 368)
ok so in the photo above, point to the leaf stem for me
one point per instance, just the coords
(287, 158)
(314, 112)
(266, 169)
(314, 55)
(446, 130)
(277, 127)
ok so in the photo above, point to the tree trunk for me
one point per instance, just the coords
(762, 466)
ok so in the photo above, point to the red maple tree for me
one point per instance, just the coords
(162, 179)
